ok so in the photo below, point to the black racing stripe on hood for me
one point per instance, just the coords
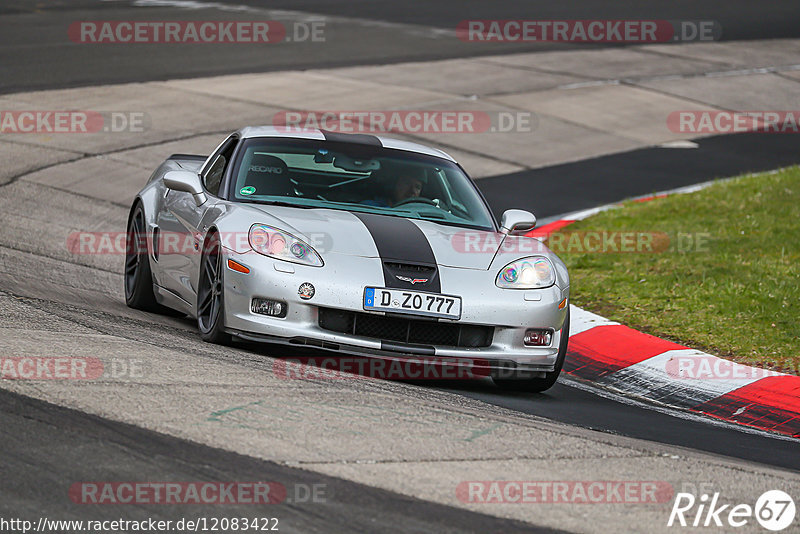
(400, 241)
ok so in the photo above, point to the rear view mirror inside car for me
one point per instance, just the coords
(343, 161)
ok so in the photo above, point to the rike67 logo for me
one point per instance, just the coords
(774, 510)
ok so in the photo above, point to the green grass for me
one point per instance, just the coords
(736, 296)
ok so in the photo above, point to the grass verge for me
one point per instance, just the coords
(715, 270)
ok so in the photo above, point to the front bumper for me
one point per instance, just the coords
(340, 285)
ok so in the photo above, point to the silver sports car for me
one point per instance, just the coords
(358, 244)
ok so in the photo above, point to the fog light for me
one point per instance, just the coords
(538, 338)
(273, 308)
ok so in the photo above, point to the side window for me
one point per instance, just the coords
(212, 179)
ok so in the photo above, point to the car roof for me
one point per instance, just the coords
(251, 132)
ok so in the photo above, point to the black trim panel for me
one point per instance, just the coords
(194, 157)
(404, 348)
(364, 139)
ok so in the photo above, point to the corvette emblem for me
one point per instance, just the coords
(411, 281)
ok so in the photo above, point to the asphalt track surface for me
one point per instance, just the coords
(561, 189)
(36, 52)
(568, 403)
(46, 447)
(43, 442)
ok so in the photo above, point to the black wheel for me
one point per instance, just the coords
(138, 277)
(537, 385)
(210, 297)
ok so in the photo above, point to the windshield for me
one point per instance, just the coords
(346, 176)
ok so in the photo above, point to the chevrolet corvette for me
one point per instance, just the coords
(351, 243)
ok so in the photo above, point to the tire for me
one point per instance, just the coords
(537, 385)
(138, 278)
(210, 294)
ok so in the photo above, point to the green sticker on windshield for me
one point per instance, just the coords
(249, 190)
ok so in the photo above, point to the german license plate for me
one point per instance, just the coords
(416, 302)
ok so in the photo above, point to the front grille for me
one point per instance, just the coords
(417, 331)
(410, 267)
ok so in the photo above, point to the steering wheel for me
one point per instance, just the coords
(415, 199)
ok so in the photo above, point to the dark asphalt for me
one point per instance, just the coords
(36, 52)
(47, 448)
(593, 182)
(569, 404)
(740, 19)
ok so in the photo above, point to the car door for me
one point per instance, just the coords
(183, 224)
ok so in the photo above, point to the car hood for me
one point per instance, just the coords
(382, 236)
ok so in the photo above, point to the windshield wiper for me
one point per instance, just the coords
(431, 215)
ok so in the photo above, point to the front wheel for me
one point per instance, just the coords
(537, 385)
(210, 296)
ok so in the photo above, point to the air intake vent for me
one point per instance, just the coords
(409, 267)
(418, 331)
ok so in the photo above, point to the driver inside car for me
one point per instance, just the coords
(408, 183)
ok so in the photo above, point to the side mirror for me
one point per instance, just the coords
(517, 220)
(188, 182)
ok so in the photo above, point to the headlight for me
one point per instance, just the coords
(527, 273)
(282, 245)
